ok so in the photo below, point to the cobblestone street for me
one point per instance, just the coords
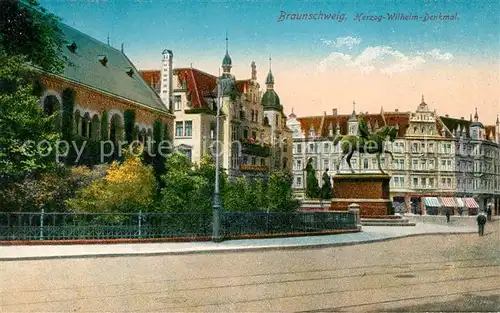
(425, 273)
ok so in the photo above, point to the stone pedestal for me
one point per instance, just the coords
(370, 191)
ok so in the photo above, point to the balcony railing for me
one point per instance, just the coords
(250, 146)
(254, 168)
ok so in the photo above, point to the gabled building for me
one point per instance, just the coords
(103, 80)
(253, 133)
(434, 156)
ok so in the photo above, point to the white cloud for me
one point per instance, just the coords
(384, 59)
(437, 55)
(347, 41)
(334, 59)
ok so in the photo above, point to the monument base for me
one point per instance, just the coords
(369, 190)
(367, 207)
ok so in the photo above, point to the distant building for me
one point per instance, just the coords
(434, 156)
(255, 138)
(104, 79)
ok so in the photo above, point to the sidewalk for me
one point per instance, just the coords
(367, 235)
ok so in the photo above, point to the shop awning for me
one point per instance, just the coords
(460, 203)
(448, 202)
(471, 203)
(432, 202)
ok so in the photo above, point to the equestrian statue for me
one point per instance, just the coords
(365, 142)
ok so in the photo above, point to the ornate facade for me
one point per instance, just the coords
(434, 156)
(253, 133)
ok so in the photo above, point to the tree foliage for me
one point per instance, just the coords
(180, 194)
(129, 120)
(29, 31)
(50, 190)
(127, 187)
(27, 137)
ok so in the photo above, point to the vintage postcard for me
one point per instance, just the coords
(249, 156)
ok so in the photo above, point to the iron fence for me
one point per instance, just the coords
(70, 226)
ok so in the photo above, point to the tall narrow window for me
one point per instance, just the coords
(188, 128)
(178, 129)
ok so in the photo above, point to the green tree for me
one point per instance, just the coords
(27, 137)
(280, 193)
(27, 30)
(129, 119)
(237, 196)
(180, 194)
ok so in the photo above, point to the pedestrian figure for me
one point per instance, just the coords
(488, 212)
(481, 220)
(447, 216)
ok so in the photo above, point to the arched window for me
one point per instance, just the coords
(95, 127)
(85, 126)
(285, 163)
(52, 106)
(77, 121)
(116, 128)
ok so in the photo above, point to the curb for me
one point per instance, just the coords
(229, 249)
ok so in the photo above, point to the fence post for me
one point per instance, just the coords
(41, 224)
(353, 209)
(140, 220)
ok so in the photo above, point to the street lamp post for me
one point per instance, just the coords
(216, 208)
(216, 237)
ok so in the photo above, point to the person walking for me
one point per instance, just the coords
(489, 212)
(481, 220)
(447, 216)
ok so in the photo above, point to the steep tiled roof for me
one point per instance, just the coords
(198, 83)
(110, 75)
(400, 119)
(241, 85)
(453, 123)
(490, 132)
(151, 76)
(393, 119)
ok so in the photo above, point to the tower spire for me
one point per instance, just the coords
(226, 61)
(227, 44)
(422, 98)
(353, 106)
(270, 77)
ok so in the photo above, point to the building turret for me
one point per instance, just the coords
(270, 100)
(476, 128)
(353, 121)
(166, 88)
(254, 71)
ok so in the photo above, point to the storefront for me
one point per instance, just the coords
(471, 205)
(432, 205)
(448, 205)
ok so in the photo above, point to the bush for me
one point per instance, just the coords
(127, 187)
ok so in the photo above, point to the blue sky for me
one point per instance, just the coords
(454, 63)
(196, 28)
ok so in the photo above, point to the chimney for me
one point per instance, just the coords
(334, 112)
(461, 117)
(447, 115)
(167, 75)
(397, 110)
